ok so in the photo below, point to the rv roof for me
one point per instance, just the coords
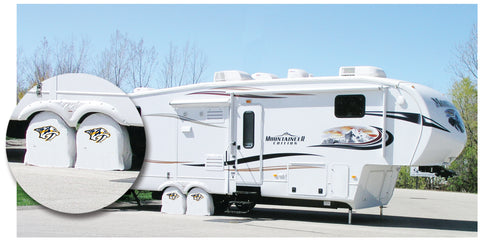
(293, 73)
(332, 81)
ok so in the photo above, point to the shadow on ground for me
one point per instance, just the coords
(150, 205)
(335, 217)
(363, 219)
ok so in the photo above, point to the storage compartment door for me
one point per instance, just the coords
(307, 179)
(339, 178)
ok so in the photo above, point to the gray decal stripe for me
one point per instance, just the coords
(224, 93)
(405, 116)
(431, 123)
(183, 118)
(257, 158)
(267, 156)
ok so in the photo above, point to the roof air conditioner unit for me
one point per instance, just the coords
(366, 71)
(297, 73)
(231, 75)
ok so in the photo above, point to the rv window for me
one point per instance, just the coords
(248, 129)
(349, 106)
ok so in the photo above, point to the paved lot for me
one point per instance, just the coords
(411, 213)
(72, 190)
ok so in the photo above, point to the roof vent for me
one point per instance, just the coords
(297, 73)
(366, 71)
(264, 76)
(231, 75)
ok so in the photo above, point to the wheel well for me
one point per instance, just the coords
(85, 116)
(190, 186)
(157, 195)
(138, 143)
(18, 128)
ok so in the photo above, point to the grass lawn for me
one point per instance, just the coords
(142, 195)
(23, 199)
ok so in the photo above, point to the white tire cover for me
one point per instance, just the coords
(49, 142)
(102, 144)
(173, 201)
(199, 202)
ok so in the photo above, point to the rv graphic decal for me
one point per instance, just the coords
(267, 156)
(350, 135)
(173, 196)
(197, 196)
(442, 103)
(410, 117)
(431, 123)
(274, 168)
(47, 133)
(354, 137)
(405, 116)
(98, 134)
(285, 139)
(455, 120)
(184, 118)
(223, 92)
(257, 158)
(452, 114)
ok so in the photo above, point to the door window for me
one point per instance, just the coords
(248, 129)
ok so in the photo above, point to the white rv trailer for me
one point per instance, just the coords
(333, 142)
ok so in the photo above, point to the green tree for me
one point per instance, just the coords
(464, 97)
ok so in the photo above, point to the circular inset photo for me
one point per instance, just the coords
(75, 143)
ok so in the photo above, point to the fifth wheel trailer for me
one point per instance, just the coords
(335, 142)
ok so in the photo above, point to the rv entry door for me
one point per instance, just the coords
(249, 159)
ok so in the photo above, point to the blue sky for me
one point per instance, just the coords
(410, 42)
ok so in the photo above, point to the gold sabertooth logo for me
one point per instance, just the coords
(173, 196)
(47, 133)
(197, 196)
(98, 134)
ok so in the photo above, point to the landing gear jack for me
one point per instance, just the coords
(350, 216)
(136, 197)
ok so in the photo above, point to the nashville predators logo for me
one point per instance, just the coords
(47, 133)
(197, 196)
(98, 134)
(173, 196)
